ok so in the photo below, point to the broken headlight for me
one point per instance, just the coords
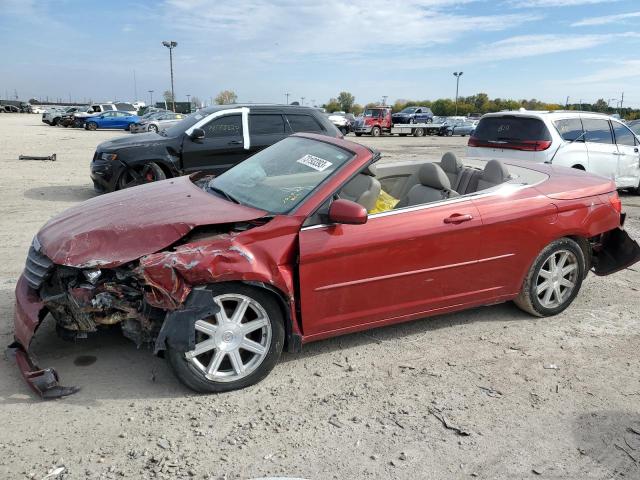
(92, 276)
(108, 156)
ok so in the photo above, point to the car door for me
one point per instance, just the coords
(119, 119)
(266, 129)
(628, 175)
(573, 150)
(105, 120)
(399, 264)
(601, 149)
(222, 147)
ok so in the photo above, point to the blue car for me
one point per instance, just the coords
(413, 115)
(113, 119)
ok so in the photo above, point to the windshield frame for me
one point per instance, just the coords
(309, 195)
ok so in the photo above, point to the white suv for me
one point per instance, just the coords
(593, 142)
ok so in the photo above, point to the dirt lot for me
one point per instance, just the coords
(532, 398)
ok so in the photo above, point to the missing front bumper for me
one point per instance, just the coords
(616, 251)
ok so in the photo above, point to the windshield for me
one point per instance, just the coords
(183, 125)
(409, 110)
(280, 177)
(371, 113)
(635, 127)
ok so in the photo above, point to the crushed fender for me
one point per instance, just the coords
(178, 330)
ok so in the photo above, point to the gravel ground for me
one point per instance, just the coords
(487, 393)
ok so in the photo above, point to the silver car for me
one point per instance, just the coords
(157, 122)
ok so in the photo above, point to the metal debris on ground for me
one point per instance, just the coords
(447, 424)
(51, 158)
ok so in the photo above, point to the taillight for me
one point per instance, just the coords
(524, 145)
(615, 202)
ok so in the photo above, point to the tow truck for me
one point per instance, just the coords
(376, 121)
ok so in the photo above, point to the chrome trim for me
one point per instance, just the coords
(411, 272)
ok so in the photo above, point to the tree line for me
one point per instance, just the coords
(479, 103)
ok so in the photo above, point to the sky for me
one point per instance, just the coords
(261, 49)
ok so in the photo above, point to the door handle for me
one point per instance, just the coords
(457, 218)
(235, 142)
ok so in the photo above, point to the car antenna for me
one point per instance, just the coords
(562, 144)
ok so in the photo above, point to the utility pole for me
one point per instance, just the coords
(135, 87)
(189, 101)
(287, 98)
(171, 45)
(384, 100)
(302, 102)
(621, 100)
(566, 104)
(150, 98)
(457, 75)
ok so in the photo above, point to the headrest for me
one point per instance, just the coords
(431, 175)
(495, 172)
(450, 163)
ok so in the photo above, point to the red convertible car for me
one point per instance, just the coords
(220, 275)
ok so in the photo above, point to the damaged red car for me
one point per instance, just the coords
(308, 239)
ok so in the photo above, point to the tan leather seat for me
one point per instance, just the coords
(362, 189)
(434, 185)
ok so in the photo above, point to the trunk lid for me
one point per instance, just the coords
(119, 227)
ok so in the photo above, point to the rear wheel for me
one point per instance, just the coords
(554, 279)
(418, 132)
(92, 126)
(343, 130)
(153, 128)
(236, 347)
(376, 132)
(358, 134)
(151, 172)
(55, 122)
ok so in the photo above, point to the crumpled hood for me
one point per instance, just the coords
(119, 227)
(141, 140)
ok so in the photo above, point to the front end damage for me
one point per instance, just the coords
(154, 300)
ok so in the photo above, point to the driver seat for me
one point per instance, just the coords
(363, 189)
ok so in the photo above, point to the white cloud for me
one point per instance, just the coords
(290, 28)
(604, 20)
(556, 3)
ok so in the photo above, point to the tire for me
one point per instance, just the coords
(418, 132)
(343, 130)
(92, 126)
(148, 173)
(412, 120)
(403, 134)
(153, 128)
(376, 132)
(449, 133)
(358, 134)
(77, 123)
(269, 337)
(546, 303)
(55, 122)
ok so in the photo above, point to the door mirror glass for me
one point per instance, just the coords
(197, 134)
(347, 212)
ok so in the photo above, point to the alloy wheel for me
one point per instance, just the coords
(557, 278)
(233, 343)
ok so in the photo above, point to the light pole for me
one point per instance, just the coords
(287, 98)
(150, 98)
(171, 45)
(189, 101)
(457, 75)
(302, 98)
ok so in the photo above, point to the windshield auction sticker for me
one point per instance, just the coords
(316, 163)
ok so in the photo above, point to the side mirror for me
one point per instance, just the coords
(347, 212)
(197, 134)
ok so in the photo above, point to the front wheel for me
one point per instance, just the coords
(153, 128)
(236, 347)
(92, 126)
(343, 130)
(151, 172)
(376, 132)
(554, 279)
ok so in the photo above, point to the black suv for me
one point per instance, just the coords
(211, 140)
